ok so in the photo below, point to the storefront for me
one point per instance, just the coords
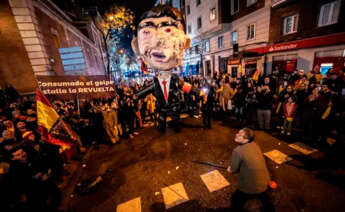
(223, 68)
(285, 63)
(332, 59)
(251, 65)
(191, 66)
(233, 66)
(325, 52)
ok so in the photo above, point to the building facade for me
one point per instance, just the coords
(306, 34)
(248, 28)
(227, 28)
(250, 35)
(203, 18)
(41, 39)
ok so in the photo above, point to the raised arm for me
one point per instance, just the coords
(146, 91)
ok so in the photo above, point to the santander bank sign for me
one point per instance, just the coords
(282, 47)
(332, 39)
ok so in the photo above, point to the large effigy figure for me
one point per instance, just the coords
(161, 41)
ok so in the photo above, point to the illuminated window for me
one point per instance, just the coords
(234, 37)
(207, 46)
(213, 14)
(290, 24)
(220, 42)
(234, 6)
(329, 13)
(251, 32)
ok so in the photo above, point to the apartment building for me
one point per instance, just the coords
(306, 34)
(222, 32)
(248, 29)
(202, 19)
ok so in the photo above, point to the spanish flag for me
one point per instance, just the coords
(256, 75)
(144, 68)
(47, 119)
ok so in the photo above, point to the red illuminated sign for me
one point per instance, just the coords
(306, 43)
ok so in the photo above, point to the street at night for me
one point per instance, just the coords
(141, 167)
(172, 105)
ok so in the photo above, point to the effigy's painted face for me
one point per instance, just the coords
(161, 42)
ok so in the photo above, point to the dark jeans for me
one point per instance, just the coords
(308, 122)
(239, 199)
(264, 118)
(162, 116)
(206, 117)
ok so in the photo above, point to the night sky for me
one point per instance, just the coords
(137, 6)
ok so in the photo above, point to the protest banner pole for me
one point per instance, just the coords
(78, 104)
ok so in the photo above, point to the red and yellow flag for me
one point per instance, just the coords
(256, 75)
(144, 68)
(47, 118)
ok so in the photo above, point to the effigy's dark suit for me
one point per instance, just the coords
(171, 108)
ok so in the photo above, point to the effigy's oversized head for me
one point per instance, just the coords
(161, 39)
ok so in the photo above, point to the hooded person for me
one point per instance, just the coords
(161, 41)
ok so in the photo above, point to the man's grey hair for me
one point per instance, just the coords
(248, 134)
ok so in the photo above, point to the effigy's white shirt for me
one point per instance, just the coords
(167, 78)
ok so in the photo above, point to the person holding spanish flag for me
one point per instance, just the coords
(51, 126)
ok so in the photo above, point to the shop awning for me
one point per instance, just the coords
(305, 43)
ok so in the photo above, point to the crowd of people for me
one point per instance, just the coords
(31, 168)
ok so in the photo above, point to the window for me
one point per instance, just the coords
(189, 29)
(220, 42)
(234, 37)
(290, 24)
(329, 13)
(56, 41)
(251, 32)
(207, 46)
(213, 14)
(234, 6)
(196, 49)
(198, 2)
(188, 9)
(251, 2)
(199, 23)
(55, 37)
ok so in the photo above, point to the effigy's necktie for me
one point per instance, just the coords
(165, 90)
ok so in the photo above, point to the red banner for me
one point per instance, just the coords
(305, 43)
